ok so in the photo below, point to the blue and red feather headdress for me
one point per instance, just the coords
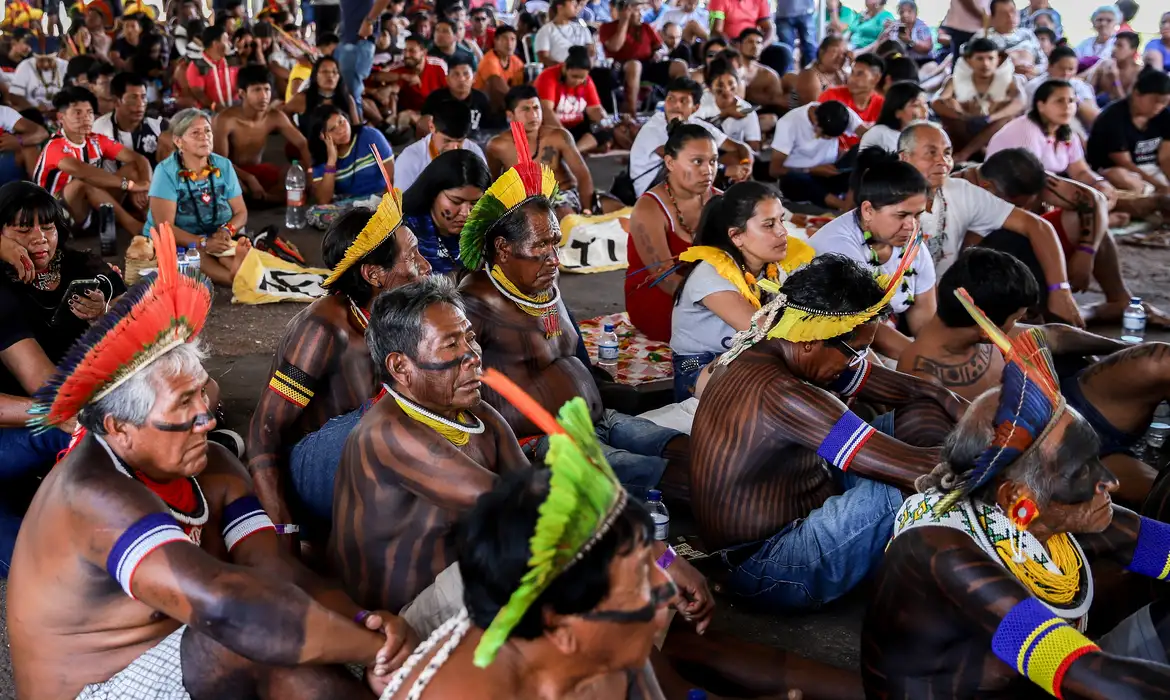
(1030, 403)
(150, 319)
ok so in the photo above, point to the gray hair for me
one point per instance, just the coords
(908, 140)
(132, 400)
(181, 122)
(396, 318)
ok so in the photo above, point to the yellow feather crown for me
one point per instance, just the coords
(385, 221)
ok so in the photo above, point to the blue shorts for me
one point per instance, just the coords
(313, 465)
(1113, 440)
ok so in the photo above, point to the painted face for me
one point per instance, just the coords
(173, 441)
(452, 206)
(833, 357)
(932, 156)
(695, 167)
(527, 112)
(764, 237)
(896, 223)
(77, 118)
(1080, 484)
(448, 363)
(39, 239)
(531, 263)
(1060, 108)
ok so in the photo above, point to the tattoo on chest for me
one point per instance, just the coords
(547, 154)
(965, 373)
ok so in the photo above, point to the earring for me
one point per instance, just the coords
(1022, 513)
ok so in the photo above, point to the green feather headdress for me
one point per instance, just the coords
(517, 185)
(584, 498)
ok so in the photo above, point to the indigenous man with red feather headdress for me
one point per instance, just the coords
(147, 569)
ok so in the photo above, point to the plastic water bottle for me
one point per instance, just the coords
(659, 514)
(294, 186)
(607, 349)
(192, 259)
(182, 259)
(1133, 321)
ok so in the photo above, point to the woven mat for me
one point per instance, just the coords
(1148, 239)
(640, 360)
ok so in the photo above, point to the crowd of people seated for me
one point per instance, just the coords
(897, 399)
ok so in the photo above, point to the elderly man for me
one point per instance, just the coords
(796, 489)
(956, 208)
(979, 98)
(321, 373)
(995, 554)
(510, 244)
(146, 567)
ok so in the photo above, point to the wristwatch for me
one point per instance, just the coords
(125, 184)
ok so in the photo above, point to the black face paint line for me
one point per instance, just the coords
(443, 366)
(662, 594)
(199, 421)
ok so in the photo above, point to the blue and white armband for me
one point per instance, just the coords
(1151, 556)
(849, 382)
(845, 439)
(242, 518)
(137, 542)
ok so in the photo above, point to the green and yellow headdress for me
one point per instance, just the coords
(517, 185)
(385, 221)
(584, 498)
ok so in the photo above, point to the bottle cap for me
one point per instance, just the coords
(696, 694)
(609, 328)
(1135, 300)
(654, 495)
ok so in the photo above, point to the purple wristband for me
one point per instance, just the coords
(1084, 248)
(360, 618)
(667, 557)
(330, 169)
(1058, 286)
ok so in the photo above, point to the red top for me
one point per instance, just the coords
(218, 80)
(641, 42)
(487, 41)
(569, 103)
(869, 115)
(738, 15)
(94, 150)
(650, 308)
(433, 77)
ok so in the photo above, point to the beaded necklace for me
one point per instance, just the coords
(936, 242)
(49, 279)
(359, 316)
(544, 305)
(457, 432)
(208, 197)
(682, 222)
(183, 497)
(456, 627)
(869, 242)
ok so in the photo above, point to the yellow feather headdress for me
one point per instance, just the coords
(385, 221)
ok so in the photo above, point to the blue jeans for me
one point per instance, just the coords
(313, 465)
(686, 373)
(26, 455)
(820, 558)
(633, 446)
(790, 30)
(356, 62)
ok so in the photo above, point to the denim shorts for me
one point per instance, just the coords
(313, 465)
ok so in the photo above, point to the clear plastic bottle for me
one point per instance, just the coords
(1133, 321)
(659, 514)
(193, 258)
(294, 186)
(182, 256)
(607, 349)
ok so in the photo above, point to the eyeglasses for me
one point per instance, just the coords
(855, 356)
(658, 596)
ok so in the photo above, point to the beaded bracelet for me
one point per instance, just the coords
(1087, 249)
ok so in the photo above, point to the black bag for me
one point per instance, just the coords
(623, 188)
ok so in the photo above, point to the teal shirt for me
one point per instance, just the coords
(192, 213)
(867, 31)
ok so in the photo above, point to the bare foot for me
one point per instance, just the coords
(243, 247)
(1112, 311)
(1118, 219)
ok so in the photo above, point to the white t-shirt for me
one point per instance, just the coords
(795, 138)
(415, 157)
(881, 136)
(682, 18)
(742, 129)
(36, 87)
(8, 119)
(144, 141)
(557, 39)
(968, 208)
(644, 159)
(1081, 90)
(843, 235)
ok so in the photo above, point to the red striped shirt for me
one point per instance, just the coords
(94, 150)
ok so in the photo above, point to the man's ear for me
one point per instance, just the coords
(373, 274)
(400, 369)
(503, 252)
(118, 432)
(1009, 492)
(558, 630)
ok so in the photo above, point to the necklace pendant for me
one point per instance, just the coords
(206, 197)
(552, 324)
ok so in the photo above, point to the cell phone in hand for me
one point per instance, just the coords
(79, 288)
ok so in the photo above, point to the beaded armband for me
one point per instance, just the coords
(243, 517)
(849, 382)
(845, 439)
(293, 384)
(137, 542)
(1151, 557)
(1039, 644)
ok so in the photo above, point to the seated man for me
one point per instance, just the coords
(146, 567)
(459, 78)
(958, 210)
(448, 130)
(501, 69)
(569, 98)
(1129, 142)
(39, 78)
(72, 165)
(426, 450)
(509, 243)
(554, 147)
(805, 152)
(241, 135)
(770, 422)
(322, 374)
(418, 76)
(859, 93)
(445, 44)
(1117, 396)
(128, 123)
(978, 99)
(762, 85)
(986, 552)
(1113, 78)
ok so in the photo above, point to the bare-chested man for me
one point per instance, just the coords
(986, 590)
(1116, 396)
(322, 374)
(979, 99)
(523, 327)
(145, 566)
(796, 489)
(423, 453)
(241, 135)
(552, 146)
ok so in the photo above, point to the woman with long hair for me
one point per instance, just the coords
(905, 103)
(663, 225)
(326, 87)
(343, 163)
(827, 71)
(890, 196)
(436, 206)
(198, 194)
(741, 242)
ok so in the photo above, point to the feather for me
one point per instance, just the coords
(385, 221)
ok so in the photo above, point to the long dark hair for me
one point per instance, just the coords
(22, 201)
(898, 96)
(451, 170)
(314, 99)
(679, 134)
(316, 127)
(1043, 93)
(882, 179)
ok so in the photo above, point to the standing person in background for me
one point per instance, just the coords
(1157, 53)
(730, 18)
(963, 19)
(794, 23)
(562, 32)
(355, 53)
